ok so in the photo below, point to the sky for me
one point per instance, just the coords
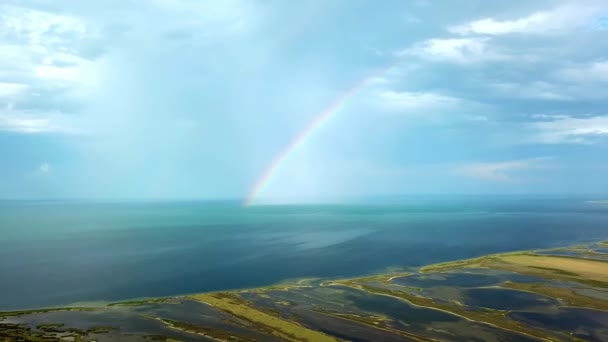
(195, 99)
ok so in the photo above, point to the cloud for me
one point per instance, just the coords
(11, 89)
(24, 125)
(458, 50)
(211, 18)
(567, 129)
(540, 90)
(404, 101)
(45, 167)
(213, 77)
(491, 26)
(499, 171)
(555, 20)
(590, 72)
(43, 70)
(36, 27)
(54, 61)
(28, 123)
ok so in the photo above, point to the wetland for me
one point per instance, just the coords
(466, 269)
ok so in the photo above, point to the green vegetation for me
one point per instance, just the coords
(381, 278)
(47, 332)
(140, 302)
(21, 332)
(36, 311)
(445, 266)
(47, 326)
(481, 262)
(99, 329)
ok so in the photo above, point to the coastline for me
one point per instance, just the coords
(561, 279)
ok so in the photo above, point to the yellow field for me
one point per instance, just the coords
(281, 328)
(587, 269)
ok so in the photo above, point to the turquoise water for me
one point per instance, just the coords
(56, 253)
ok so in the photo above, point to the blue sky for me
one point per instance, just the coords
(194, 99)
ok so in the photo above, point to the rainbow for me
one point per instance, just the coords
(305, 134)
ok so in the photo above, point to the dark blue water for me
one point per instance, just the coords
(588, 324)
(54, 253)
(506, 299)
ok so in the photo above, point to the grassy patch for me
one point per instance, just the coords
(139, 302)
(205, 331)
(49, 326)
(556, 270)
(47, 332)
(37, 311)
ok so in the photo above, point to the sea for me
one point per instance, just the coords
(56, 253)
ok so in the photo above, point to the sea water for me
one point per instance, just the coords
(61, 252)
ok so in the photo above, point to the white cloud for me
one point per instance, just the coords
(534, 90)
(58, 61)
(19, 122)
(566, 129)
(38, 27)
(24, 124)
(404, 101)
(44, 167)
(39, 57)
(83, 75)
(458, 50)
(43, 46)
(206, 19)
(11, 89)
(595, 71)
(499, 171)
(494, 27)
(555, 20)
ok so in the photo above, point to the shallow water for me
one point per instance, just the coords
(57, 253)
(427, 321)
(506, 299)
(586, 323)
(399, 310)
(600, 249)
(125, 321)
